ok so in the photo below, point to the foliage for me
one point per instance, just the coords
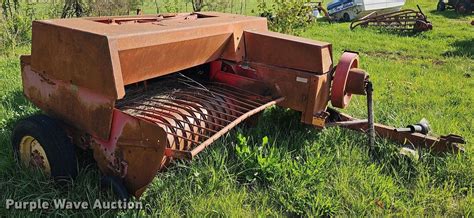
(74, 8)
(197, 5)
(108, 8)
(286, 16)
(218, 5)
(258, 162)
(15, 24)
(171, 6)
(79, 8)
(55, 9)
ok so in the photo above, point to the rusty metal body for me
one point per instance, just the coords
(142, 90)
(404, 20)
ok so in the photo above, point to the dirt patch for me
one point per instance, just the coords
(394, 55)
(438, 62)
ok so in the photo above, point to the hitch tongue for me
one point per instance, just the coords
(348, 79)
(422, 127)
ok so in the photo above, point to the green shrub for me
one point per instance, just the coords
(108, 8)
(260, 163)
(55, 9)
(171, 6)
(15, 24)
(218, 5)
(286, 16)
(197, 4)
(79, 8)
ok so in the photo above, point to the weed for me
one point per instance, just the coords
(260, 162)
(15, 25)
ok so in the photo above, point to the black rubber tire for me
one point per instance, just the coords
(56, 144)
(346, 17)
(115, 184)
(463, 7)
(468, 6)
(441, 6)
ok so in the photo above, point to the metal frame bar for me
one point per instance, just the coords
(449, 143)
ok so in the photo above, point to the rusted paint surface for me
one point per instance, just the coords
(104, 57)
(318, 98)
(288, 51)
(303, 91)
(449, 143)
(292, 84)
(356, 81)
(134, 151)
(340, 97)
(77, 106)
(79, 58)
(145, 63)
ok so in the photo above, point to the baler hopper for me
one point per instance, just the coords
(141, 91)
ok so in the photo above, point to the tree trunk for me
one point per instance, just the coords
(197, 5)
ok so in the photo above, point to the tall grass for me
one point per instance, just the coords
(15, 25)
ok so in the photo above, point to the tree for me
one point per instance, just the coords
(73, 7)
(197, 5)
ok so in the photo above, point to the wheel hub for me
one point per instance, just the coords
(33, 155)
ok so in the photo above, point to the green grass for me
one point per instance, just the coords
(281, 167)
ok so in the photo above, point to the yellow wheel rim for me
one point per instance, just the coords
(33, 155)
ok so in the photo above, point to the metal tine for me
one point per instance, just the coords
(223, 96)
(178, 139)
(208, 109)
(135, 97)
(182, 129)
(240, 95)
(177, 121)
(153, 119)
(161, 110)
(219, 84)
(236, 95)
(217, 99)
(194, 81)
(206, 89)
(193, 87)
(216, 107)
(207, 101)
(178, 112)
(153, 116)
(234, 98)
(225, 86)
(188, 109)
(175, 135)
(129, 99)
(237, 90)
(191, 107)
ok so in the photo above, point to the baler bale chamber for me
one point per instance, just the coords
(143, 90)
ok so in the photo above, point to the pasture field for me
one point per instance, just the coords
(281, 167)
